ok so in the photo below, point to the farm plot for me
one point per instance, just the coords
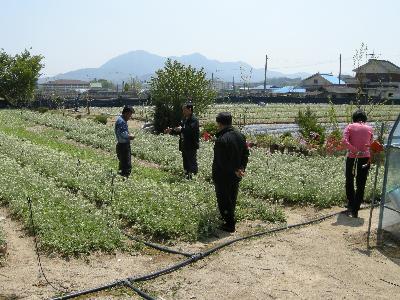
(315, 180)
(163, 210)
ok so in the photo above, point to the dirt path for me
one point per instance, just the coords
(19, 278)
(325, 260)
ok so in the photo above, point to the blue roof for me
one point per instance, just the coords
(261, 87)
(289, 89)
(332, 79)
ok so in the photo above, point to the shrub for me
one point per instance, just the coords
(102, 119)
(309, 128)
(211, 128)
(42, 110)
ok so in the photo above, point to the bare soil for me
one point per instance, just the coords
(325, 260)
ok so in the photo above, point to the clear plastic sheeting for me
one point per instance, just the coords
(389, 217)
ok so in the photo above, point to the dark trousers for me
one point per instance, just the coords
(227, 192)
(355, 198)
(190, 161)
(124, 157)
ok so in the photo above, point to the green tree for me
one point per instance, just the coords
(173, 86)
(105, 84)
(18, 76)
(127, 87)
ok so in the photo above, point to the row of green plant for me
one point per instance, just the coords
(55, 139)
(272, 113)
(65, 222)
(154, 208)
(163, 150)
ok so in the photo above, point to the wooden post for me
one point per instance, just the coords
(265, 73)
(340, 67)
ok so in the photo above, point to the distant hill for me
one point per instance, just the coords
(143, 65)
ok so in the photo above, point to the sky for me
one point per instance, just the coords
(297, 35)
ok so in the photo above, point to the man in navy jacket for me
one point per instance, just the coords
(230, 160)
(189, 135)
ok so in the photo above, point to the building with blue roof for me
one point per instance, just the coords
(320, 80)
(289, 90)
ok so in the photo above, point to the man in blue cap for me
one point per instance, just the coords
(230, 160)
(124, 138)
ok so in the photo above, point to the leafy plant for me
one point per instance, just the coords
(102, 119)
(309, 127)
(174, 85)
(211, 128)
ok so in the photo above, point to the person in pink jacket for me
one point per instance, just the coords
(357, 138)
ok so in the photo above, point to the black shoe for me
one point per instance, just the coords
(347, 213)
(354, 214)
(228, 228)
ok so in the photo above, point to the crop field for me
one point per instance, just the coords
(272, 113)
(67, 167)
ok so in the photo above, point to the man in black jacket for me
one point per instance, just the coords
(230, 160)
(189, 135)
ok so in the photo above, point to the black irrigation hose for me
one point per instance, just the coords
(37, 248)
(118, 283)
(159, 247)
(197, 257)
(166, 270)
(216, 248)
(90, 291)
(139, 292)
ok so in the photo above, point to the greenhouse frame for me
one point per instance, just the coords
(389, 216)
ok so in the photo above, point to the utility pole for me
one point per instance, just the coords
(340, 66)
(233, 83)
(212, 80)
(265, 73)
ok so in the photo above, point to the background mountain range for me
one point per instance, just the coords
(141, 64)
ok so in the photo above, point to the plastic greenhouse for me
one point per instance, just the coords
(389, 217)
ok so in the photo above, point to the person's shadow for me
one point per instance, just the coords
(344, 220)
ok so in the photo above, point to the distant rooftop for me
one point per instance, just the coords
(289, 89)
(332, 79)
(328, 77)
(261, 87)
(386, 65)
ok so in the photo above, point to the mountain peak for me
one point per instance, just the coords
(142, 64)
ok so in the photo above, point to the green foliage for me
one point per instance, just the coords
(18, 76)
(266, 140)
(174, 85)
(102, 119)
(105, 84)
(286, 134)
(126, 87)
(211, 128)
(309, 127)
(42, 110)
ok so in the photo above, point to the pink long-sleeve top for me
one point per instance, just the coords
(357, 138)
